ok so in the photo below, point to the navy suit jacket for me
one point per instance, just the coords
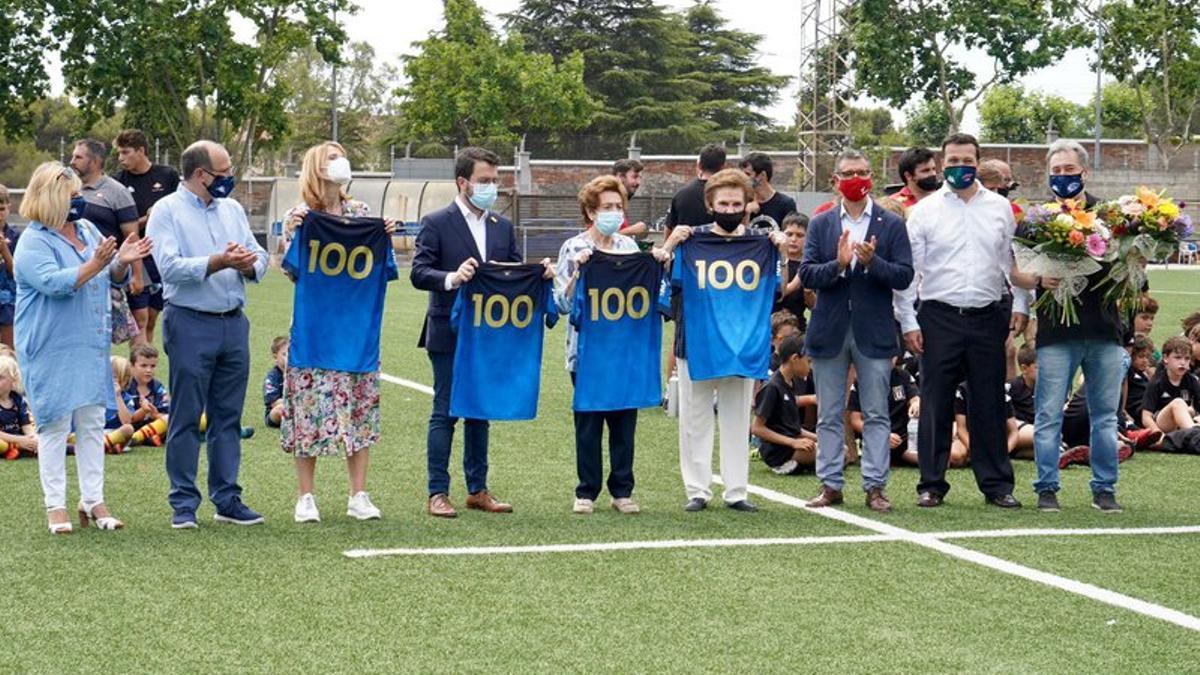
(861, 299)
(443, 244)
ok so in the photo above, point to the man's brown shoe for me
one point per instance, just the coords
(439, 505)
(877, 501)
(484, 501)
(929, 500)
(828, 497)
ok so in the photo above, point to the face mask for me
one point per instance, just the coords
(1003, 192)
(338, 170)
(930, 184)
(854, 189)
(960, 177)
(609, 222)
(75, 212)
(483, 195)
(1066, 187)
(222, 186)
(729, 221)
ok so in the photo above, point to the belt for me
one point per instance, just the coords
(965, 311)
(221, 315)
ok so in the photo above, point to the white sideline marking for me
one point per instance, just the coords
(1162, 292)
(1052, 532)
(620, 546)
(406, 383)
(999, 564)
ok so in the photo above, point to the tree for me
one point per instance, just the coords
(22, 47)
(905, 47)
(366, 103)
(1121, 115)
(725, 62)
(928, 123)
(873, 127)
(1154, 47)
(468, 85)
(1008, 114)
(178, 70)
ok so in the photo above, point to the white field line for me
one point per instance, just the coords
(406, 383)
(1158, 291)
(619, 546)
(992, 562)
(1053, 532)
(921, 539)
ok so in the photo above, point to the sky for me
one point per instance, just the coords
(391, 26)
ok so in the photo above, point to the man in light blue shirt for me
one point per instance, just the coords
(205, 252)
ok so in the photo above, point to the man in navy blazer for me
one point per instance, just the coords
(855, 256)
(451, 244)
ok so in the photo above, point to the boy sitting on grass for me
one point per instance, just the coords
(18, 435)
(273, 384)
(904, 405)
(786, 447)
(1174, 392)
(146, 398)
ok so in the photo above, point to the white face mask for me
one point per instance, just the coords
(338, 170)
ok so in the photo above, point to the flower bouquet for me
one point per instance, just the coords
(1146, 226)
(1062, 241)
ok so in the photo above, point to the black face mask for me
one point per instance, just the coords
(729, 221)
(930, 184)
(1003, 192)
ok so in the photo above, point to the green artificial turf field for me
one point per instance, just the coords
(283, 597)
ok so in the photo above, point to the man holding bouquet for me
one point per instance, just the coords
(1092, 340)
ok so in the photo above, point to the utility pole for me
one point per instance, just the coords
(1099, 83)
(333, 102)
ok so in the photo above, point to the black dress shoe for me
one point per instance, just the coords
(1004, 501)
(929, 500)
(742, 505)
(695, 504)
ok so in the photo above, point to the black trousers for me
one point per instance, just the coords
(589, 453)
(959, 345)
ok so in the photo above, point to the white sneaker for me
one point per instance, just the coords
(306, 509)
(584, 506)
(626, 505)
(359, 506)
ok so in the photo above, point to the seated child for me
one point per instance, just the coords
(1020, 392)
(786, 447)
(1136, 381)
(904, 407)
(18, 435)
(1143, 321)
(116, 416)
(1174, 391)
(1077, 432)
(146, 398)
(783, 324)
(960, 445)
(273, 384)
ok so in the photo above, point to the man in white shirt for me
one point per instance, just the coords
(961, 240)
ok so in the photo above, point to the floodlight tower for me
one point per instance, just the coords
(824, 102)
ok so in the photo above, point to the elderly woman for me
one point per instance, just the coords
(602, 204)
(329, 412)
(64, 270)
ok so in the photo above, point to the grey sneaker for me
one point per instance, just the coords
(1048, 502)
(1106, 502)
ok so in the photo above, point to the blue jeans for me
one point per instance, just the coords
(210, 364)
(873, 378)
(1102, 373)
(441, 435)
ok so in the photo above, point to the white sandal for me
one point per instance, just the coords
(102, 523)
(60, 528)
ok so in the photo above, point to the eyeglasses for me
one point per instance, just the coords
(865, 173)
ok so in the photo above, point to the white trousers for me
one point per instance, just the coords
(696, 434)
(89, 456)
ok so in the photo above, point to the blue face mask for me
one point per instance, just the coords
(608, 222)
(960, 177)
(1066, 187)
(75, 212)
(483, 195)
(222, 186)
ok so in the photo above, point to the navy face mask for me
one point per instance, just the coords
(222, 186)
(75, 212)
(1067, 186)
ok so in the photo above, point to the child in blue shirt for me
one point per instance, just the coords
(273, 384)
(17, 433)
(146, 398)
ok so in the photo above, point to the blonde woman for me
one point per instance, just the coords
(64, 270)
(328, 412)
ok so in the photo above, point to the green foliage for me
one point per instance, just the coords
(1154, 47)
(468, 85)
(1122, 115)
(17, 162)
(902, 49)
(677, 79)
(177, 70)
(872, 127)
(1009, 114)
(22, 54)
(928, 123)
